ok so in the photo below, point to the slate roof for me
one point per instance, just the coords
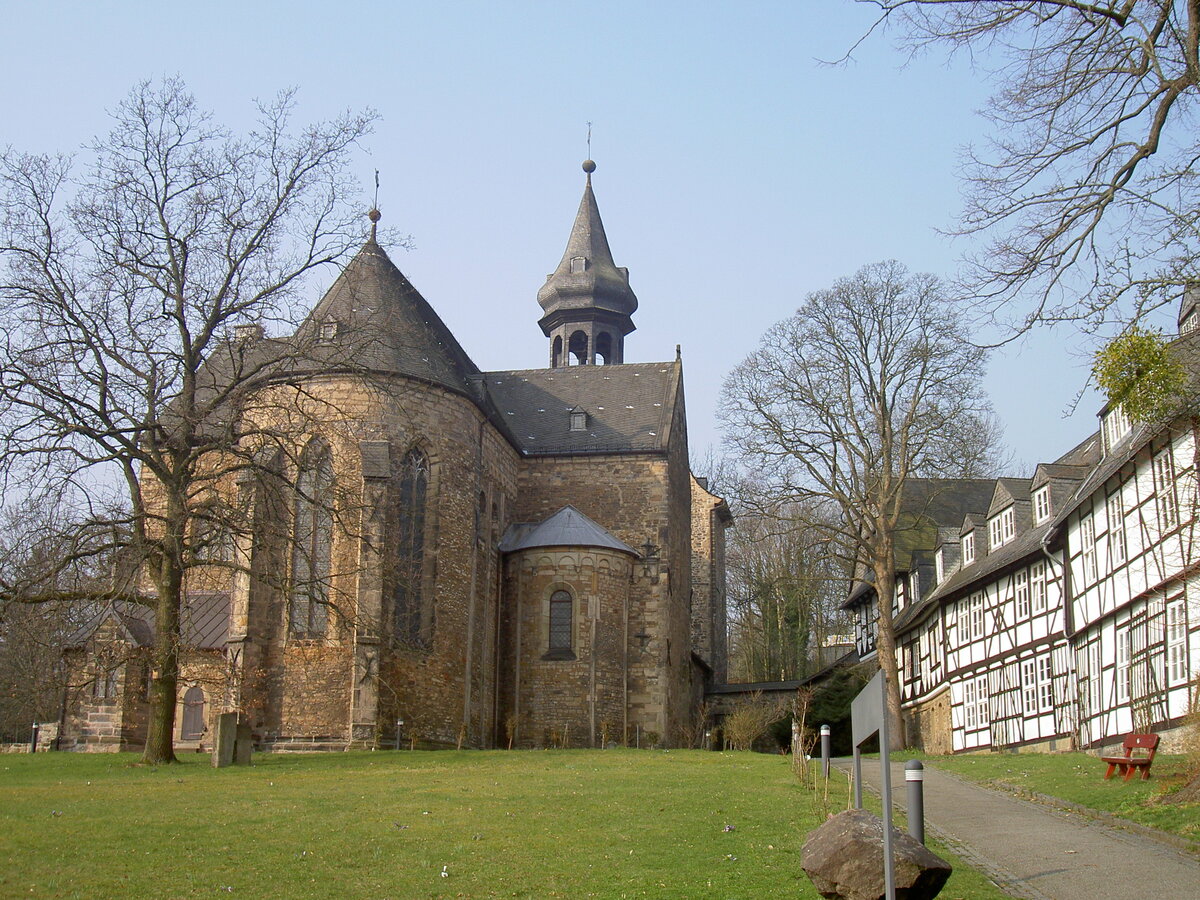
(629, 406)
(1023, 545)
(204, 622)
(929, 505)
(384, 325)
(1187, 351)
(566, 528)
(601, 285)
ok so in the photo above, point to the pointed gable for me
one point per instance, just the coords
(373, 318)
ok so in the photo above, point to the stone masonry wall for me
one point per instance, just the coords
(361, 671)
(577, 701)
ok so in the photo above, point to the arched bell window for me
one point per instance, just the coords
(312, 552)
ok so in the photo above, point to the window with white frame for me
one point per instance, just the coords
(1176, 642)
(1045, 667)
(1087, 543)
(969, 705)
(1041, 504)
(977, 616)
(1037, 579)
(1021, 589)
(1002, 527)
(1116, 530)
(914, 660)
(1164, 488)
(1029, 692)
(981, 701)
(1116, 426)
(1122, 674)
(968, 548)
(1093, 665)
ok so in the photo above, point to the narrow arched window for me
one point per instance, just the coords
(414, 487)
(313, 545)
(562, 608)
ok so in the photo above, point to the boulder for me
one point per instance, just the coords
(844, 860)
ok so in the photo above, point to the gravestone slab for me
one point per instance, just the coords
(222, 754)
(243, 745)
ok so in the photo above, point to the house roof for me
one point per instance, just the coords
(629, 406)
(1187, 350)
(1025, 545)
(204, 622)
(566, 528)
(928, 506)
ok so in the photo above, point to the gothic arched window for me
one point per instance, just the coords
(410, 594)
(313, 544)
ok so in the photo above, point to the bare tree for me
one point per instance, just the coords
(124, 290)
(786, 587)
(1088, 185)
(869, 384)
(40, 555)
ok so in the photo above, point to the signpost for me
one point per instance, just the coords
(868, 717)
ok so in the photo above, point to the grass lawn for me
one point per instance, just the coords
(617, 823)
(1079, 778)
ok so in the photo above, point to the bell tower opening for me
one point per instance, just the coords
(578, 349)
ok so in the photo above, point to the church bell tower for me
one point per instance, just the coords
(587, 300)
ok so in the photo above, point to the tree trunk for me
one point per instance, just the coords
(160, 736)
(885, 640)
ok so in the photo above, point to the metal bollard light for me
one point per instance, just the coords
(33, 738)
(825, 751)
(399, 725)
(914, 779)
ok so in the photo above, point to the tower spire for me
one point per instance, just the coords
(587, 300)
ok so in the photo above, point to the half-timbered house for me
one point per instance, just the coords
(1065, 610)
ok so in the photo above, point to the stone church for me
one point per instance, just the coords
(513, 558)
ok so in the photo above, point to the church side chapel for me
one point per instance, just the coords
(447, 556)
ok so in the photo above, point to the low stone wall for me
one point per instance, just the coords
(47, 736)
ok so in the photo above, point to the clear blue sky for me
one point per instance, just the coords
(736, 172)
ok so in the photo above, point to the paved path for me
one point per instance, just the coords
(1039, 852)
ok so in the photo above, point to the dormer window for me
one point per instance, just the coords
(968, 548)
(1116, 426)
(329, 329)
(1002, 527)
(1189, 323)
(1041, 505)
(578, 419)
(578, 264)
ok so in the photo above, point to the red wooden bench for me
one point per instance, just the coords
(1139, 750)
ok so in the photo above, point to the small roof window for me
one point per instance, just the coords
(579, 419)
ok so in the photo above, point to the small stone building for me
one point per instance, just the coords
(488, 558)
